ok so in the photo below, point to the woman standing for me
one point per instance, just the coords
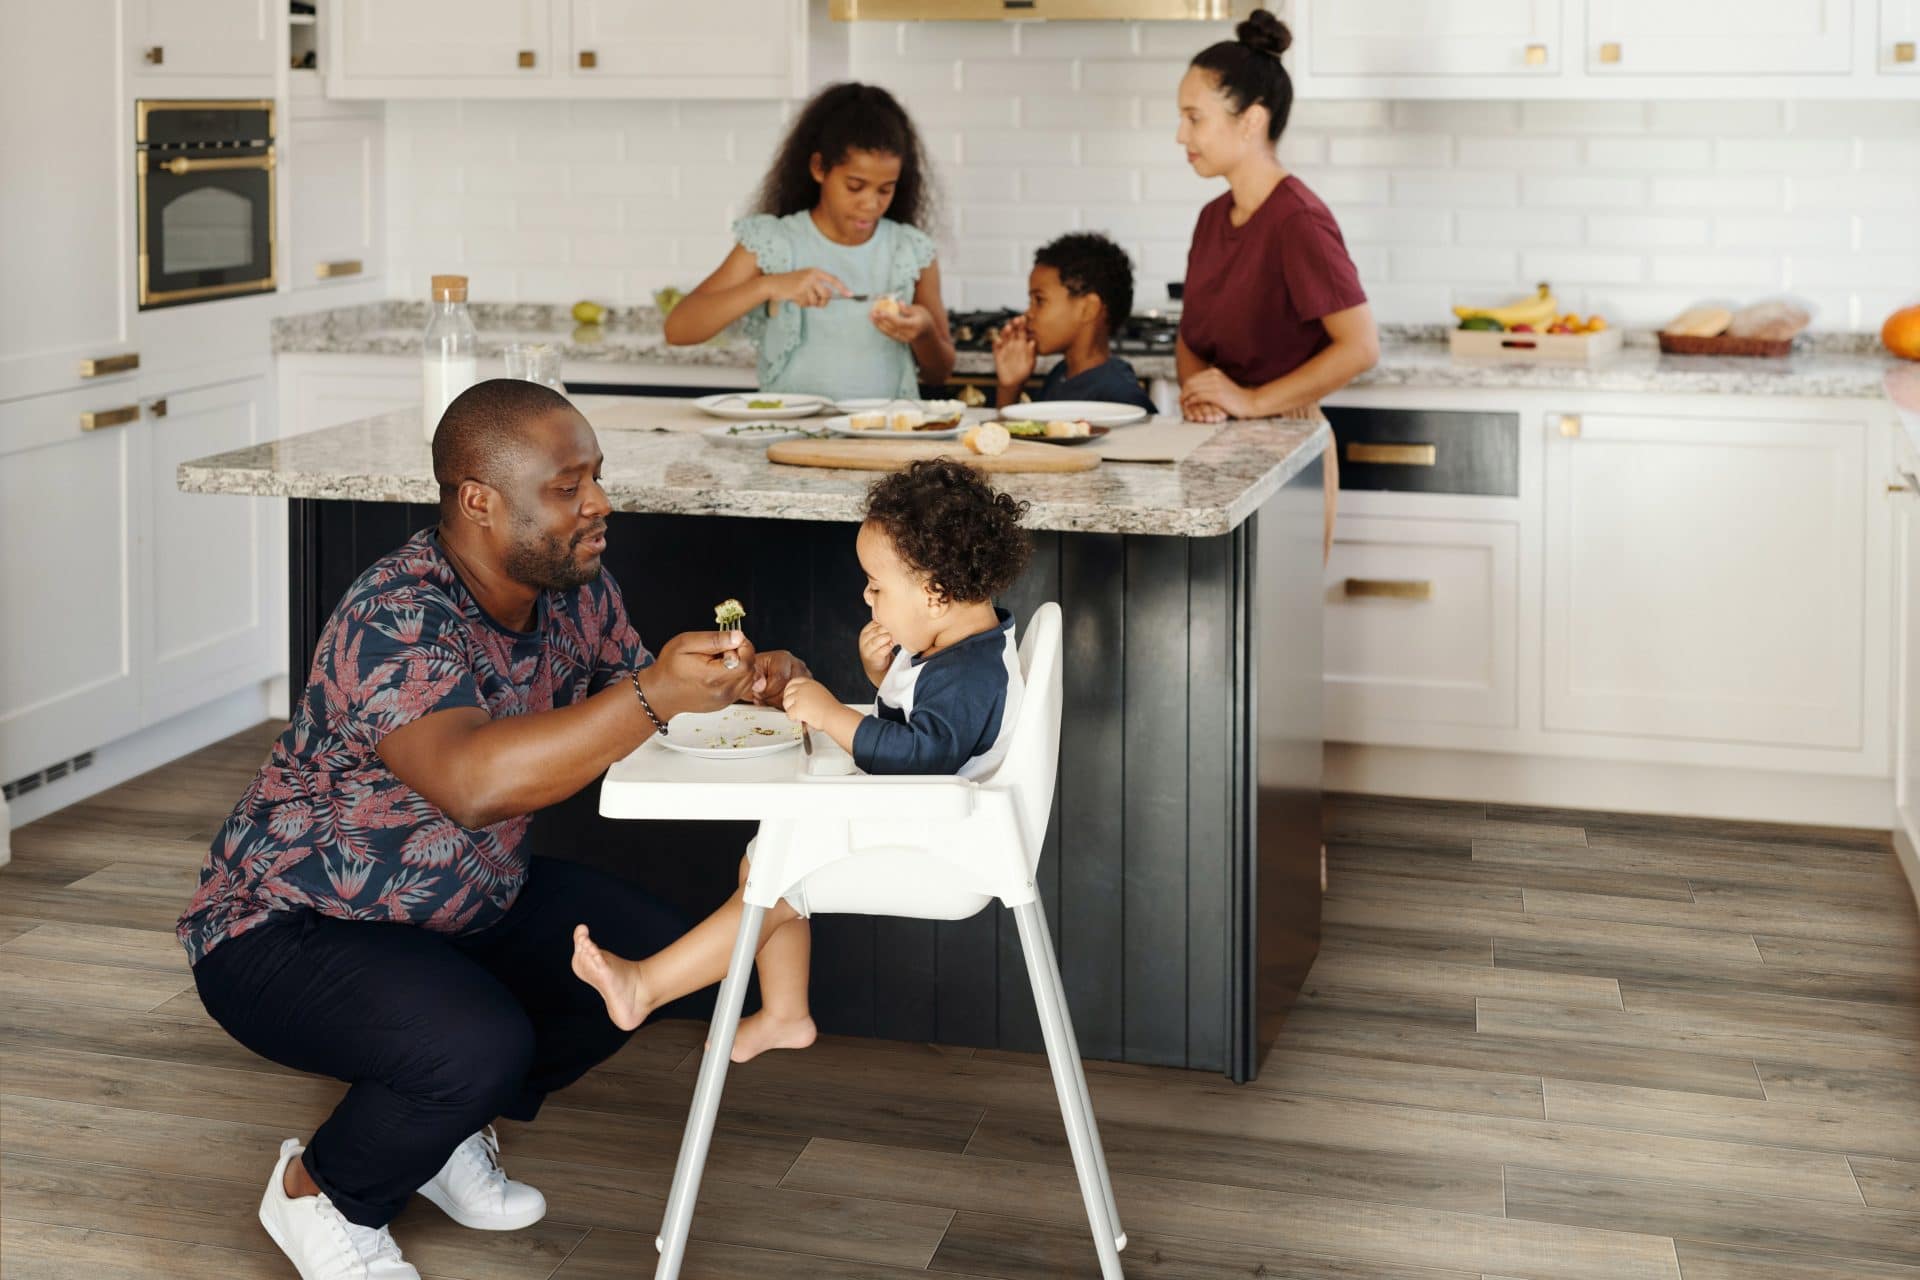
(1273, 317)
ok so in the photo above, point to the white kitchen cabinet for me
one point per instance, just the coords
(71, 501)
(208, 586)
(1706, 579)
(1421, 625)
(65, 218)
(1896, 47)
(1904, 485)
(336, 179)
(691, 48)
(1718, 37)
(195, 38)
(423, 41)
(1435, 38)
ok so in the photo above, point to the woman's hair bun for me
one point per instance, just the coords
(1264, 32)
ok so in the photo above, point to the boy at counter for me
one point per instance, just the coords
(937, 545)
(1080, 290)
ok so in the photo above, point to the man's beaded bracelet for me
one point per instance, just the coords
(658, 724)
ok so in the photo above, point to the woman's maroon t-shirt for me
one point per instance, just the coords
(1255, 295)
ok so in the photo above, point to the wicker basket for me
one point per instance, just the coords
(1678, 344)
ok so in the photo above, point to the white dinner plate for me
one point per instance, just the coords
(737, 406)
(1099, 413)
(757, 433)
(840, 427)
(732, 733)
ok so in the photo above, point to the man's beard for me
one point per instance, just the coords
(542, 560)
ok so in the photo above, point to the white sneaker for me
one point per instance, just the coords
(476, 1192)
(318, 1239)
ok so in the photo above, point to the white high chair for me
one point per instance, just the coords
(931, 848)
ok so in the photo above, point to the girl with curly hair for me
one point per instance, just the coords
(937, 545)
(834, 274)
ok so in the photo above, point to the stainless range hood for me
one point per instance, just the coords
(1039, 10)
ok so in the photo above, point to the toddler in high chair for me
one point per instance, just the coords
(937, 545)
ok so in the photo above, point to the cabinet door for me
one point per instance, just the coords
(69, 506)
(1718, 37)
(1434, 37)
(336, 179)
(1896, 49)
(444, 39)
(1706, 579)
(667, 40)
(1421, 625)
(210, 627)
(1906, 644)
(202, 37)
(64, 231)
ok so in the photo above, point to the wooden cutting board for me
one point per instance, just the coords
(891, 455)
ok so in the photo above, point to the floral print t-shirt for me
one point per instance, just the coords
(326, 826)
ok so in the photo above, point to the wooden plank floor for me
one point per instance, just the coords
(1538, 1044)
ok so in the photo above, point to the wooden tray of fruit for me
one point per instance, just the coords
(1531, 330)
(1765, 330)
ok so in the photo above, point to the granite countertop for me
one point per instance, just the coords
(679, 471)
(1838, 366)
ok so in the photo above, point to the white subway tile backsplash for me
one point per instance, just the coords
(1635, 209)
(1455, 189)
(1582, 192)
(1631, 231)
(1642, 155)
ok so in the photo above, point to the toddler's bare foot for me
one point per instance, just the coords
(617, 981)
(763, 1031)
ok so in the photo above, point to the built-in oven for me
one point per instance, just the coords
(205, 174)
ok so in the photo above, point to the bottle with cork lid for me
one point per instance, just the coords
(449, 356)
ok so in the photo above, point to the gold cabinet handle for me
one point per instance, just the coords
(589, 59)
(110, 417)
(1610, 52)
(155, 55)
(158, 409)
(1536, 55)
(526, 57)
(1570, 426)
(1388, 589)
(100, 366)
(334, 270)
(1393, 455)
(180, 165)
(1904, 51)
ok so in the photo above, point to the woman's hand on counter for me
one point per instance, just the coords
(1211, 396)
(807, 287)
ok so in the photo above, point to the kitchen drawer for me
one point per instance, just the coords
(1421, 625)
(1428, 450)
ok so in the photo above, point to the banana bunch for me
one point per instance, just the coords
(1539, 310)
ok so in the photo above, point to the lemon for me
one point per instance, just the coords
(588, 313)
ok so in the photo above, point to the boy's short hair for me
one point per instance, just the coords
(1088, 262)
(948, 523)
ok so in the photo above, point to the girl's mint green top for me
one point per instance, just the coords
(834, 350)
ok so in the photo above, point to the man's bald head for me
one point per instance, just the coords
(485, 432)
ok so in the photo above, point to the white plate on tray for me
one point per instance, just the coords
(737, 406)
(841, 426)
(1099, 413)
(732, 733)
(757, 433)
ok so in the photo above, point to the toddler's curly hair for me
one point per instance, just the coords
(949, 524)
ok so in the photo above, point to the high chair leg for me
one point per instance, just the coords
(1050, 1000)
(672, 1240)
(1080, 1078)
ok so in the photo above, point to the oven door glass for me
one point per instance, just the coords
(207, 232)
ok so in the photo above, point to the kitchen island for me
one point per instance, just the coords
(1181, 872)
